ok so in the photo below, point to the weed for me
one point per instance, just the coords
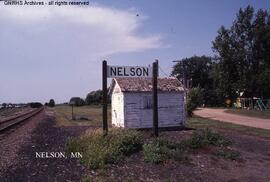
(160, 150)
(99, 150)
(206, 137)
(228, 154)
(152, 153)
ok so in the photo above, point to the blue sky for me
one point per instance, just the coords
(56, 52)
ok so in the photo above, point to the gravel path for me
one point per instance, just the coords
(39, 135)
(221, 115)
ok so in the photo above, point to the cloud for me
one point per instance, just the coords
(113, 30)
(56, 52)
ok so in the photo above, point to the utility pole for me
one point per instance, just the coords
(184, 76)
(182, 64)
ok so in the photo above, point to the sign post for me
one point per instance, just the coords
(72, 114)
(104, 97)
(155, 98)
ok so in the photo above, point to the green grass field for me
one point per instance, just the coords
(84, 115)
(265, 114)
(94, 116)
(198, 122)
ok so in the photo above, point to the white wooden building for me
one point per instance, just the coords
(132, 102)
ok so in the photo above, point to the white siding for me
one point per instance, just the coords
(117, 107)
(170, 107)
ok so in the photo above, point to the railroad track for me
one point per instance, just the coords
(8, 123)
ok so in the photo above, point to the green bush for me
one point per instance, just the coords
(99, 150)
(205, 137)
(152, 153)
(194, 99)
(159, 150)
(228, 154)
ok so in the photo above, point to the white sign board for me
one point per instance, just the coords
(129, 71)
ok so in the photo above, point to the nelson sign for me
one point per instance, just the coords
(128, 71)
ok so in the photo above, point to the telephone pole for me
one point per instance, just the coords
(181, 63)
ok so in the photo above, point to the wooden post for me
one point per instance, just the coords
(104, 98)
(155, 98)
(72, 115)
(157, 68)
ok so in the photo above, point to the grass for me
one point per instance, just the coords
(84, 115)
(10, 111)
(198, 122)
(207, 137)
(228, 154)
(265, 114)
(99, 150)
(161, 149)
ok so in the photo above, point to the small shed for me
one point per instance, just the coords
(132, 102)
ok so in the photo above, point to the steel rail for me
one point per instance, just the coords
(12, 122)
(17, 116)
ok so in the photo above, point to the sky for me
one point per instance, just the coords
(57, 51)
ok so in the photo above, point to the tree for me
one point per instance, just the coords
(76, 101)
(35, 104)
(51, 103)
(203, 72)
(195, 69)
(194, 99)
(4, 105)
(94, 97)
(243, 51)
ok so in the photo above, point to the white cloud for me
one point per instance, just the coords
(114, 29)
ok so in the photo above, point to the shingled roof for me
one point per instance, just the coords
(129, 84)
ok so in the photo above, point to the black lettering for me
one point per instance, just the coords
(139, 72)
(132, 72)
(125, 74)
(113, 71)
(145, 72)
(119, 71)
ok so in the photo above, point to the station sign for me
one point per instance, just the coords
(129, 71)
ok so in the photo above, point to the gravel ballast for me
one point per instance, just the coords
(40, 135)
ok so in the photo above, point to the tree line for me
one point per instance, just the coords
(92, 98)
(240, 65)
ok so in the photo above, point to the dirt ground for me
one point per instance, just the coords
(44, 135)
(221, 115)
(18, 152)
(253, 164)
